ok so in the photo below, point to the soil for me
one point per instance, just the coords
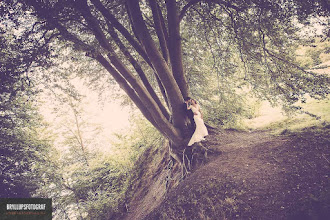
(250, 175)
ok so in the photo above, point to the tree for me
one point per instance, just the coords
(136, 41)
(21, 146)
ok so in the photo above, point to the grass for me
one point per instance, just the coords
(212, 200)
(314, 113)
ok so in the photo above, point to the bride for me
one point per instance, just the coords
(200, 131)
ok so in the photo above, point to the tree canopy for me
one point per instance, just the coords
(154, 49)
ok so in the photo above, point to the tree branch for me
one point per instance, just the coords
(160, 123)
(81, 143)
(127, 88)
(162, 21)
(156, 58)
(121, 29)
(131, 22)
(227, 4)
(138, 69)
(161, 87)
(186, 7)
(159, 30)
(90, 51)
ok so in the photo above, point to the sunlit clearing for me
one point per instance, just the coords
(266, 115)
(97, 121)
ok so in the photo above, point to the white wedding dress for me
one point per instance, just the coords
(201, 130)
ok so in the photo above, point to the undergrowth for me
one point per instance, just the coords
(214, 199)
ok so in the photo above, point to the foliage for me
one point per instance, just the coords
(21, 148)
(21, 145)
(313, 52)
(232, 62)
(89, 183)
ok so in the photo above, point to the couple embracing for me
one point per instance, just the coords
(200, 131)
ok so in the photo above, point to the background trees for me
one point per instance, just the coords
(21, 145)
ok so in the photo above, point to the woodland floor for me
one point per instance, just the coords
(256, 176)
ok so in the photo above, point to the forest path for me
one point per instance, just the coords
(257, 176)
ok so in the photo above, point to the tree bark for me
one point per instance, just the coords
(175, 46)
(172, 89)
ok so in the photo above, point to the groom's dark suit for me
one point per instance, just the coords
(190, 115)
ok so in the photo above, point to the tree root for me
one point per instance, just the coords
(190, 158)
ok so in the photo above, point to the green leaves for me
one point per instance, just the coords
(235, 54)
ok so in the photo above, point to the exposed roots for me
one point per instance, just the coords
(190, 158)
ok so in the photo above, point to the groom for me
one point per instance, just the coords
(191, 125)
(189, 113)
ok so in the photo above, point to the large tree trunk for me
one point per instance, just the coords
(165, 74)
(166, 62)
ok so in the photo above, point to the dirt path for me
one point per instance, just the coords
(257, 176)
(257, 179)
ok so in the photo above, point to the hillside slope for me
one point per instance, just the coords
(257, 176)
